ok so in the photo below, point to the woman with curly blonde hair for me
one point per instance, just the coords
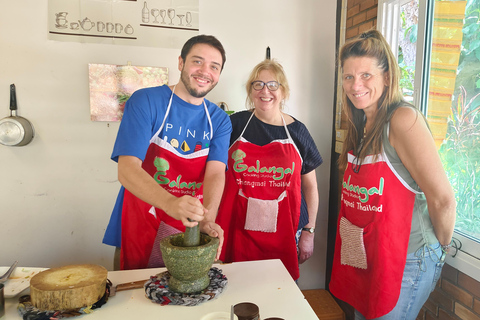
(271, 188)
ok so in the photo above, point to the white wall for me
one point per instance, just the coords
(56, 193)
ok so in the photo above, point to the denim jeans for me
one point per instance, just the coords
(422, 271)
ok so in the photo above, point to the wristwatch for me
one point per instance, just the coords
(311, 230)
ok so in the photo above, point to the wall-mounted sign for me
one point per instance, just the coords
(112, 85)
(151, 23)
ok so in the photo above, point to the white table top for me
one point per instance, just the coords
(266, 283)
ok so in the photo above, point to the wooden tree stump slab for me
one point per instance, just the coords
(68, 287)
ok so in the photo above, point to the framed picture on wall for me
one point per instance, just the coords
(112, 85)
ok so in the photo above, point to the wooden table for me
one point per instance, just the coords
(266, 283)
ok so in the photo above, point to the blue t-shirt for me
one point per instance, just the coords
(186, 128)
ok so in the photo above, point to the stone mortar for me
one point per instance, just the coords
(188, 266)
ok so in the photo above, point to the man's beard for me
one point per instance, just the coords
(195, 93)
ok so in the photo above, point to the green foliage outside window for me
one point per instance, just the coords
(461, 158)
(407, 49)
(460, 152)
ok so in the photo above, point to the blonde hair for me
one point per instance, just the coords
(277, 69)
(373, 45)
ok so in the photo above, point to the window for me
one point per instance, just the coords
(437, 44)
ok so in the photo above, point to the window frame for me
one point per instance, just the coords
(389, 14)
(467, 258)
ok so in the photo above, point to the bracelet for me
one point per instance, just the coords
(446, 248)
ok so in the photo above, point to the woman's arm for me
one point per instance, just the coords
(414, 144)
(309, 189)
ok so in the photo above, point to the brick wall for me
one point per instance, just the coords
(361, 16)
(457, 296)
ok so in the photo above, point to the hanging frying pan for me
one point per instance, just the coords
(15, 130)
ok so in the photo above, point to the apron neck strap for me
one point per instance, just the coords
(286, 129)
(209, 120)
(168, 110)
(246, 125)
(283, 120)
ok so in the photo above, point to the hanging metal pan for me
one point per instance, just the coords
(15, 130)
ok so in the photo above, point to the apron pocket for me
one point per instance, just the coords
(156, 259)
(352, 252)
(261, 215)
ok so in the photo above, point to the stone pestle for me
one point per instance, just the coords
(192, 236)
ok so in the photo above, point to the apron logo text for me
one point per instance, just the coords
(162, 166)
(239, 166)
(253, 184)
(363, 192)
(362, 207)
(281, 184)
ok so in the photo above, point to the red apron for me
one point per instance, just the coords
(260, 209)
(178, 174)
(372, 236)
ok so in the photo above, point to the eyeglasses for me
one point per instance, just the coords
(271, 85)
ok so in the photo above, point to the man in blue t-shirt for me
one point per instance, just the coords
(171, 150)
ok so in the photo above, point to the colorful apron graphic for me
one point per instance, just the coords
(178, 174)
(260, 211)
(374, 229)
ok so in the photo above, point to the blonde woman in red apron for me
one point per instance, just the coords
(260, 207)
(397, 207)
